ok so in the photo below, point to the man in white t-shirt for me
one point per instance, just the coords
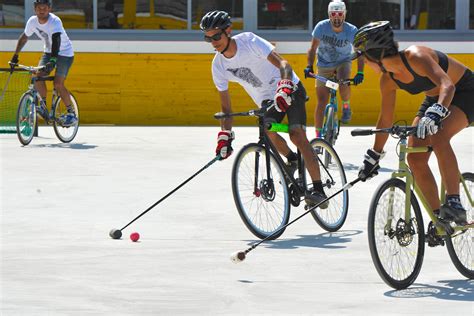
(252, 62)
(58, 53)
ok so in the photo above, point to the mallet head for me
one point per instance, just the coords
(115, 234)
(237, 257)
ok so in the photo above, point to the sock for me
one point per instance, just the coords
(291, 156)
(346, 104)
(318, 186)
(436, 212)
(318, 132)
(453, 200)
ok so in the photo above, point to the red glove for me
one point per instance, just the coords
(283, 95)
(224, 141)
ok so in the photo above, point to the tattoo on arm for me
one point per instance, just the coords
(285, 70)
(21, 43)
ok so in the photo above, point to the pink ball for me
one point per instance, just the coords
(134, 236)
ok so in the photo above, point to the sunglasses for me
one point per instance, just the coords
(339, 14)
(214, 38)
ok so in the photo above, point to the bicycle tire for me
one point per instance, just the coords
(394, 246)
(263, 206)
(334, 217)
(63, 133)
(26, 119)
(329, 133)
(461, 247)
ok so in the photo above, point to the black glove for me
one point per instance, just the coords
(50, 65)
(14, 61)
(359, 77)
(308, 70)
(371, 165)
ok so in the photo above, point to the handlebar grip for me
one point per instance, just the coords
(361, 132)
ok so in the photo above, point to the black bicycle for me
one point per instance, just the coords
(30, 105)
(264, 187)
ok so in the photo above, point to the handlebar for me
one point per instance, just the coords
(255, 112)
(32, 69)
(399, 130)
(329, 83)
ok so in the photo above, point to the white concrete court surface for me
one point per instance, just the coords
(59, 201)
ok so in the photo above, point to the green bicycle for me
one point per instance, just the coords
(395, 224)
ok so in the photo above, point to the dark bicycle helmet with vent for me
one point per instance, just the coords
(215, 20)
(48, 2)
(374, 35)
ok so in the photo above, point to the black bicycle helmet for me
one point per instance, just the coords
(215, 20)
(374, 35)
(48, 2)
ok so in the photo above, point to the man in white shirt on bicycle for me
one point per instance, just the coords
(252, 62)
(58, 53)
(332, 39)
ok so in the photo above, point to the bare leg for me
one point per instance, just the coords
(323, 98)
(61, 89)
(40, 86)
(298, 137)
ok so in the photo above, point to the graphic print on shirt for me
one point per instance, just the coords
(330, 49)
(246, 75)
(46, 39)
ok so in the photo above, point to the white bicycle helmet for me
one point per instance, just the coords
(336, 6)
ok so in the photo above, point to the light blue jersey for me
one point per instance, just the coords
(334, 48)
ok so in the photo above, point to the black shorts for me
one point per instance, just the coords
(463, 97)
(296, 112)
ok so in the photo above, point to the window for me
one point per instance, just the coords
(471, 14)
(12, 13)
(233, 7)
(142, 14)
(429, 14)
(283, 14)
(75, 14)
(360, 12)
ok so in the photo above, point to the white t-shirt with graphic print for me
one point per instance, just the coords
(45, 32)
(249, 67)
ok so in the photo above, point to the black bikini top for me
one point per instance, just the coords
(419, 83)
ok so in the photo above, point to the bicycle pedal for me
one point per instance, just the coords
(446, 225)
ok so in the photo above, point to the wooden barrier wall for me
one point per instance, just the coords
(177, 89)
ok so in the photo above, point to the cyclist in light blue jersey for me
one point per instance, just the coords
(332, 39)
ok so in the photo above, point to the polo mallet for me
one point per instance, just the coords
(10, 70)
(117, 233)
(240, 256)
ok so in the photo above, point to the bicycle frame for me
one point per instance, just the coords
(404, 172)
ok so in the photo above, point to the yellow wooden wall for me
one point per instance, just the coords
(177, 89)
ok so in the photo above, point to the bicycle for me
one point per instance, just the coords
(30, 105)
(395, 224)
(264, 187)
(331, 124)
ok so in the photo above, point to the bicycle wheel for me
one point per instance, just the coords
(329, 133)
(263, 203)
(461, 245)
(397, 245)
(26, 119)
(333, 178)
(65, 133)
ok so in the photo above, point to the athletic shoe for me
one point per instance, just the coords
(68, 119)
(453, 212)
(313, 198)
(346, 115)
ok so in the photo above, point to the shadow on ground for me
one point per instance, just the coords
(453, 290)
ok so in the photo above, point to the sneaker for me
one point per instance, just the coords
(313, 197)
(453, 212)
(68, 119)
(346, 115)
(292, 166)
